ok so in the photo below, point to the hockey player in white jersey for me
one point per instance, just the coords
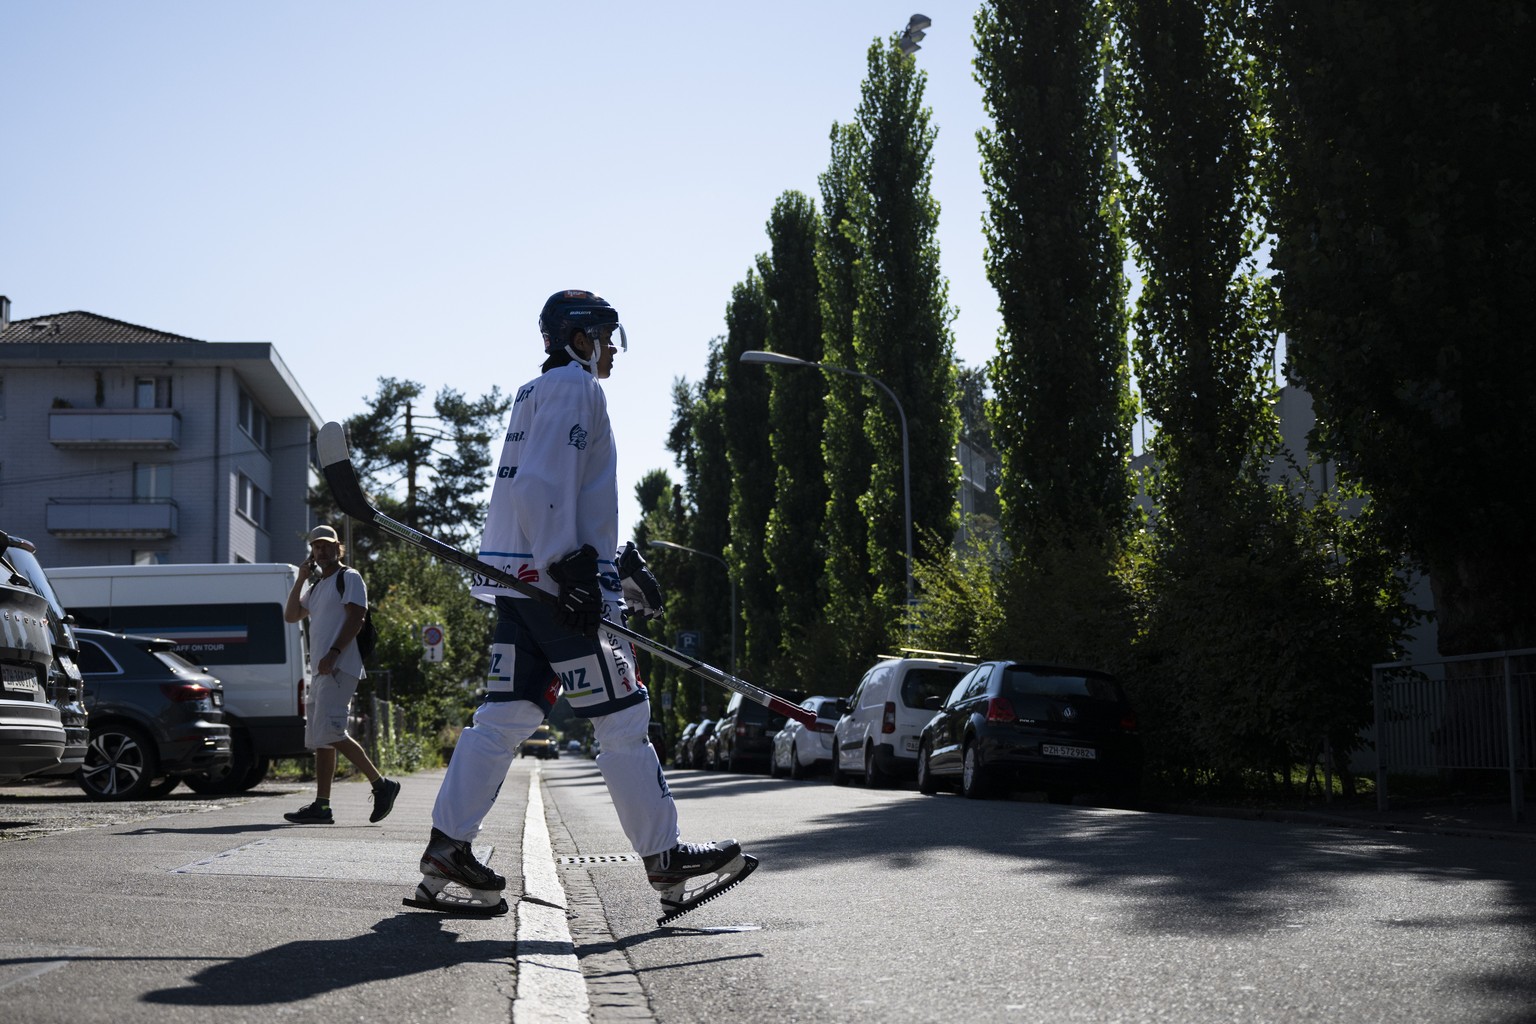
(553, 522)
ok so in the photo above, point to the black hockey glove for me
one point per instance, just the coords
(580, 605)
(642, 594)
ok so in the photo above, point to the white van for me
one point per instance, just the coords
(876, 737)
(227, 618)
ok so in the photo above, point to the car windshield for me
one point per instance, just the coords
(1023, 682)
(921, 683)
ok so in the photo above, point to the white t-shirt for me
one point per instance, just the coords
(326, 617)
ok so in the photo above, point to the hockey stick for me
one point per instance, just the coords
(336, 463)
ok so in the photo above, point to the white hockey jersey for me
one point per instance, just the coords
(556, 485)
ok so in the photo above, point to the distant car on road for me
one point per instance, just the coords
(155, 718)
(743, 737)
(542, 744)
(1018, 725)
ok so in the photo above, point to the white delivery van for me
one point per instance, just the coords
(227, 618)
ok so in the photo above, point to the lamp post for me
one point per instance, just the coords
(913, 33)
(729, 579)
(776, 359)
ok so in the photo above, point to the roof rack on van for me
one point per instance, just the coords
(907, 652)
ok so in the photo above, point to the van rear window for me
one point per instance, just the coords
(929, 682)
(208, 634)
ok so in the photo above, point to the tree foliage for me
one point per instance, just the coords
(1404, 206)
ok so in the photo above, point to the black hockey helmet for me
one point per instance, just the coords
(573, 310)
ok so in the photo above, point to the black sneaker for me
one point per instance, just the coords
(313, 814)
(384, 793)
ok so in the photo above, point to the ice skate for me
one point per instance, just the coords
(449, 862)
(693, 873)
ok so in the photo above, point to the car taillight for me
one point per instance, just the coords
(182, 693)
(1128, 722)
(888, 720)
(823, 726)
(741, 730)
(999, 710)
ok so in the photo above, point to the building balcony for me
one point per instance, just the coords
(111, 518)
(114, 428)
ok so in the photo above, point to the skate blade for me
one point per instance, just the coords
(442, 902)
(677, 908)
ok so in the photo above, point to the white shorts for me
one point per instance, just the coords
(326, 709)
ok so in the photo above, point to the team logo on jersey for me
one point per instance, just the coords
(578, 438)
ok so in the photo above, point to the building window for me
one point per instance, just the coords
(151, 481)
(253, 421)
(151, 558)
(253, 502)
(152, 393)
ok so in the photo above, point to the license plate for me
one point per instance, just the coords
(910, 744)
(1056, 750)
(19, 680)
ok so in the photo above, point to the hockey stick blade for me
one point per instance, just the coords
(336, 463)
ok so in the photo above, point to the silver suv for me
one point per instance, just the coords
(876, 736)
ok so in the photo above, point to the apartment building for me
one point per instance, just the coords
(122, 444)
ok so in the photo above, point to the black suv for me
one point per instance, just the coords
(66, 689)
(1017, 725)
(155, 717)
(743, 737)
(31, 732)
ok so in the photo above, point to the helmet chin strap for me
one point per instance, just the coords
(589, 364)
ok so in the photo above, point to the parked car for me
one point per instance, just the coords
(658, 737)
(743, 738)
(542, 744)
(876, 735)
(696, 743)
(66, 690)
(32, 735)
(155, 718)
(1016, 725)
(684, 741)
(800, 749)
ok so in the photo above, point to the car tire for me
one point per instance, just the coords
(120, 764)
(797, 770)
(164, 787)
(839, 777)
(974, 781)
(246, 768)
(925, 781)
(874, 778)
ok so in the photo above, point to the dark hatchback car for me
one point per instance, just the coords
(693, 756)
(743, 738)
(154, 717)
(1014, 725)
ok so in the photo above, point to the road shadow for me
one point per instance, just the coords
(399, 945)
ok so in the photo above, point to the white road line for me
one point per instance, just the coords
(550, 987)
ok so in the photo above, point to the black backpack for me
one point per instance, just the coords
(367, 637)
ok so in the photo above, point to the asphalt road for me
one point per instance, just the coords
(869, 906)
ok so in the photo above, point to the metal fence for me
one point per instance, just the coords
(1470, 713)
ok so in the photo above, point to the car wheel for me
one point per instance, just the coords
(796, 769)
(974, 781)
(925, 782)
(874, 778)
(839, 777)
(164, 787)
(120, 764)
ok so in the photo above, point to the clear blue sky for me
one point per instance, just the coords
(386, 188)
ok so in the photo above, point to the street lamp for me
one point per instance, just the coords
(730, 579)
(913, 33)
(776, 359)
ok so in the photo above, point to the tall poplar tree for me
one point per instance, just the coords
(1406, 260)
(1055, 257)
(797, 406)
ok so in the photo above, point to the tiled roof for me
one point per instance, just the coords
(78, 326)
